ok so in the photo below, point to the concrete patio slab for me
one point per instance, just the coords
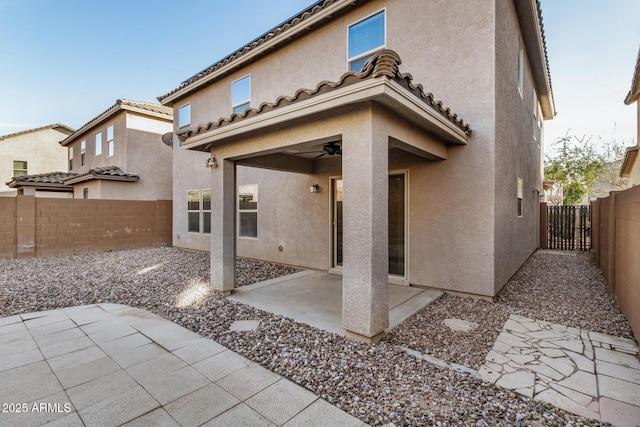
(315, 298)
(109, 364)
(586, 373)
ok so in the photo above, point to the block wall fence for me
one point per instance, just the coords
(615, 227)
(37, 227)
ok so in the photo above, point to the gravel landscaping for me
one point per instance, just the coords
(565, 289)
(379, 384)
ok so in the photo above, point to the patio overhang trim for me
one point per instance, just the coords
(384, 91)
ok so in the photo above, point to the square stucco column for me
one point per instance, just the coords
(223, 227)
(365, 304)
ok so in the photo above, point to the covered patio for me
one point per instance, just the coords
(361, 118)
(315, 298)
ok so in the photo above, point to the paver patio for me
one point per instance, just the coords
(111, 364)
(587, 373)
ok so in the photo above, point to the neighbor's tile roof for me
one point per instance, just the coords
(634, 92)
(121, 104)
(51, 179)
(384, 63)
(105, 172)
(293, 22)
(57, 126)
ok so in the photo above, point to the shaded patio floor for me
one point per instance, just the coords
(315, 298)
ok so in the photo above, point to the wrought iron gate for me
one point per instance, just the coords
(569, 228)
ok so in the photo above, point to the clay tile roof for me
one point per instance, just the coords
(121, 104)
(105, 172)
(634, 92)
(57, 126)
(383, 64)
(51, 178)
(295, 21)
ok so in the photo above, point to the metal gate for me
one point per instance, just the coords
(569, 228)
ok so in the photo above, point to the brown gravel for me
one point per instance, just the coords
(556, 287)
(379, 384)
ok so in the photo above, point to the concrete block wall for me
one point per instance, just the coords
(617, 249)
(7, 227)
(49, 227)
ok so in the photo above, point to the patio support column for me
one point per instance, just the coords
(223, 227)
(365, 305)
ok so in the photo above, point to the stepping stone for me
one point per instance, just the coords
(460, 325)
(244, 325)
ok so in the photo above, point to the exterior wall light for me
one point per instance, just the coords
(315, 188)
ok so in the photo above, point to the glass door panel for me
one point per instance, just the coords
(397, 224)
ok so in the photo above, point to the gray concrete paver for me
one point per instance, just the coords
(116, 365)
(281, 401)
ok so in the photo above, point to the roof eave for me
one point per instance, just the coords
(627, 164)
(108, 114)
(255, 52)
(386, 92)
(533, 34)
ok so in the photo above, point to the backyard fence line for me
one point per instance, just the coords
(35, 227)
(616, 243)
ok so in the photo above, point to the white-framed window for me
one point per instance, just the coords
(98, 149)
(206, 211)
(70, 158)
(520, 67)
(248, 210)
(520, 194)
(199, 211)
(184, 116)
(364, 38)
(83, 152)
(241, 94)
(110, 143)
(20, 168)
(193, 211)
(85, 193)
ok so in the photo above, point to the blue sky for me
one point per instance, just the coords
(68, 60)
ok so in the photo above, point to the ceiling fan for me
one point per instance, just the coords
(330, 149)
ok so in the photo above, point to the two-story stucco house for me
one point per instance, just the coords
(630, 165)
(119, 154)
(327, 147)
(30, 152)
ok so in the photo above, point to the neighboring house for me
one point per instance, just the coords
(318, 162)
(30, 152)
(119, 154)
(630, 165)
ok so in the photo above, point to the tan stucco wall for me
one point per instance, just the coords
(41, 150)
(119, 157)
(456, 206)
(518, 154)
(138, 149)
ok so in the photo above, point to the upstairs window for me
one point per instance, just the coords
(98, 143)
(520, 194)
(248, 210)
(520, 67)
(241, 94)
(110, 141)
(184, 116)
(70, 158)
(19, 168)
(83, 152)
(365, 37)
